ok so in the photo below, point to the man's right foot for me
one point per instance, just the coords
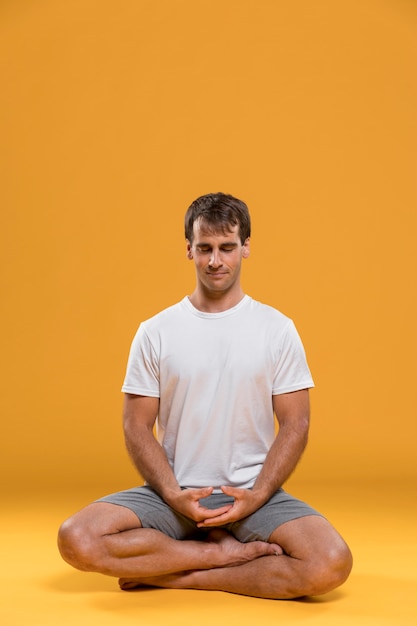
(236, 552)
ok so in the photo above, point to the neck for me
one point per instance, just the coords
(215, 303)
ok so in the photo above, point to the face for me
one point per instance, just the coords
(217, 258)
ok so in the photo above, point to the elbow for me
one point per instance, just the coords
(300, 431)
(296, 431)
(305, 429)
(305, 425)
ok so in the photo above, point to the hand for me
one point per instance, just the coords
(187, 502)
(246, 502)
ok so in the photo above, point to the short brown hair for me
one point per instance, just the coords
(218, 211)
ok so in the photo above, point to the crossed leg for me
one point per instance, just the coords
(305, 556)
(109, 539)
(315, 560)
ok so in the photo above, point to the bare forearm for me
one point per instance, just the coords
(151, 461)
(282, 458)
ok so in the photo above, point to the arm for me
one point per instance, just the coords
(293, 414)
(139, 415)
(292, 411)
(148, 456)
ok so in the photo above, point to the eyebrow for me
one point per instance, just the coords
(227, 244)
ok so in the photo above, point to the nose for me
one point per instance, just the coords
(215, 260)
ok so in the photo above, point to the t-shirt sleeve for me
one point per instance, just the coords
(291, 371)
(142, 373)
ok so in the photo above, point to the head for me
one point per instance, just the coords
(217, 230)
(218, 213)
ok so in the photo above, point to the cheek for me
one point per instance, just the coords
(199, 263)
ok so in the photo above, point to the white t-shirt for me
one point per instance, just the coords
(215, 375)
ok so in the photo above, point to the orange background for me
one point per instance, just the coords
(114, 117)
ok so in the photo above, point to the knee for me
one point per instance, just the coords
(76, 545)
(330, 570)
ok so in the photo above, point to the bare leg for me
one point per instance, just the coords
(109, 539)
(316, 560)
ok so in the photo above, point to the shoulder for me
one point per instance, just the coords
(269, 314)
(150, 331)
(166, 316)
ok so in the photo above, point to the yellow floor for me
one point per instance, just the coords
(379, 523)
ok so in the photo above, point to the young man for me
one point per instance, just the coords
(212, 371)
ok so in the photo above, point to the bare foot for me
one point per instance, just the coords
(172, 581)
(236, 552)
(127, 584)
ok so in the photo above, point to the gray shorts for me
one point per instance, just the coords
(153, 512)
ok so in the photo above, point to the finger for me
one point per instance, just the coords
(215, 513)
(219, 520)
(232, 491)
(201, 492)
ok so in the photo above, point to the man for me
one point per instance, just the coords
(211, 372)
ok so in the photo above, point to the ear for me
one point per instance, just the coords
(189, 250)
(246, 248)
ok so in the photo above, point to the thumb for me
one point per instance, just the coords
(230, 491)
(203, 492)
